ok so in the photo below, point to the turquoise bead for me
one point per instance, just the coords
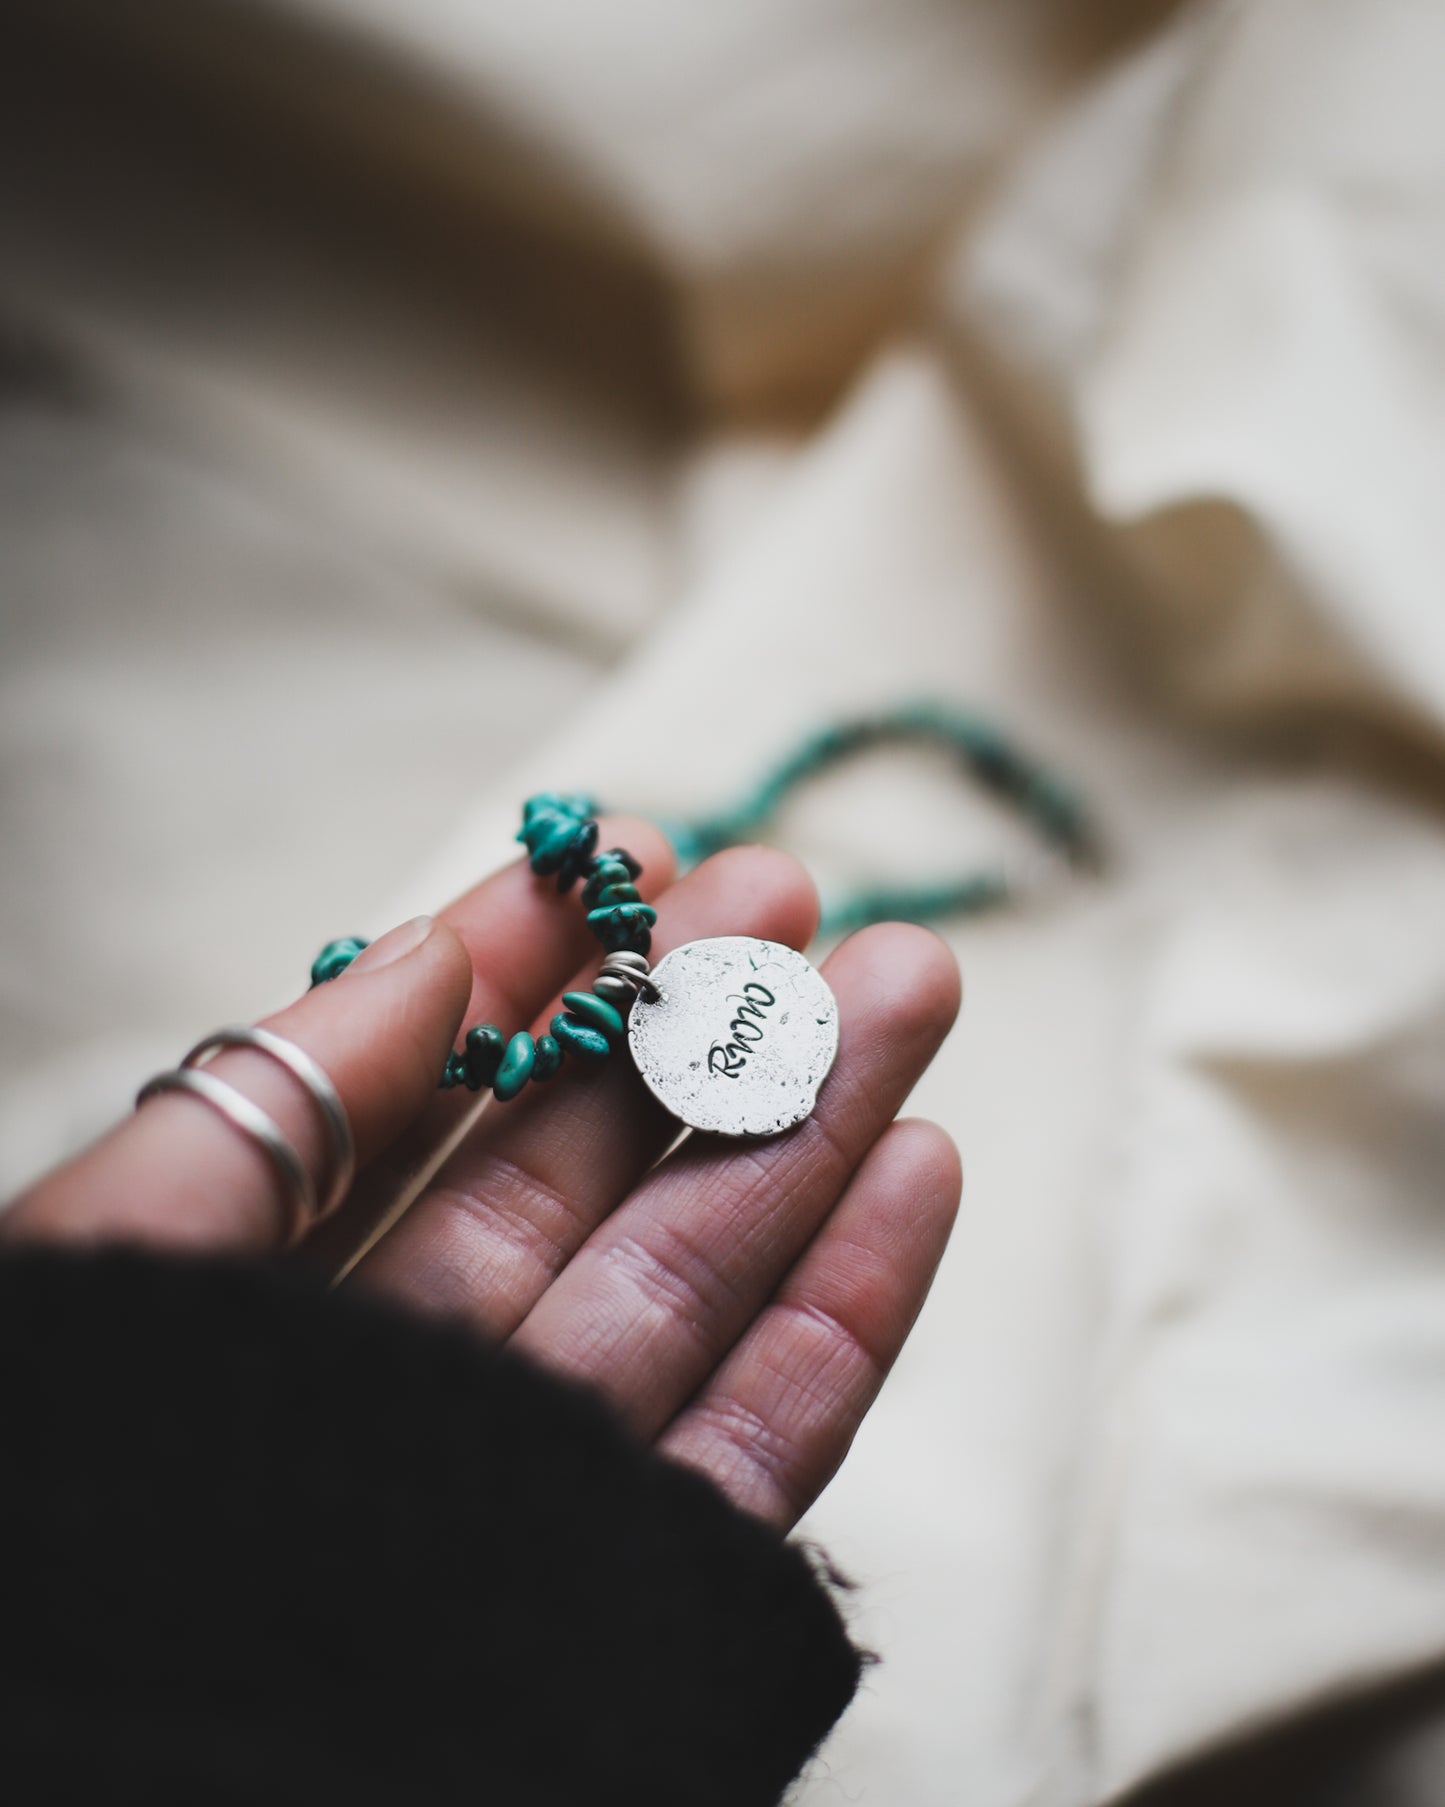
(516, 1067)
(543, 821)
(596, 1012)
(621, 857)
(485, 1047)
(559, 842)
(561, 803)
(580, 849)
(623, 925)
(616, 916)
(335, 957)
(1056, 809)
(577, 1038)
(605, 872)
(548, 1060)
(549, 846)
(627, 938)
(616, 894)
(454, 1073)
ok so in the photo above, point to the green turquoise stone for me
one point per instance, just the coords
(619, 856)
(621, 915)
(559, 803)
(545, 822)
(485, 1047)
(623, 925)
(1056, 809)
(606, 872)
(516, 1067)
(548, 1060)
(617, 894)
(578, 1039)
(626, 937)
(549, 847)
(335, 957)
(579, 852)
(596, 1012)
(454, 1073)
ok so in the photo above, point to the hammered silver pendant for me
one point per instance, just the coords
(740, 1036)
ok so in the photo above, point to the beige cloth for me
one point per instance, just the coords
(1093, 378)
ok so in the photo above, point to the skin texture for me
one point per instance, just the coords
(739, 1303)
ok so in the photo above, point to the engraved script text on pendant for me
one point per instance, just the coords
(730, 1058)
(740, 1039)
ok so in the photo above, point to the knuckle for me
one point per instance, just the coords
(673, 1276)
(743, 1439)
(517, 1205)
(838, 1346)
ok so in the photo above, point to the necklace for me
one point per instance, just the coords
(733, 1034)
(1016, 778)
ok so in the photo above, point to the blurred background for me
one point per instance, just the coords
(408, 403)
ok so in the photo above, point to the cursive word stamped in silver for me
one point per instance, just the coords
(740, 1038)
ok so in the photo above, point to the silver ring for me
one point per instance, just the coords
(253, 1122)
(318, 1084)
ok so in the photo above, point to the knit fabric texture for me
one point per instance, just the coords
(268, 1543)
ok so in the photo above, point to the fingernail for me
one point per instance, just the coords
(392, 945)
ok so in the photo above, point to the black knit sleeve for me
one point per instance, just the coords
(262, 1543)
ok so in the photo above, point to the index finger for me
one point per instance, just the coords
(525, 941)
(177, 1173)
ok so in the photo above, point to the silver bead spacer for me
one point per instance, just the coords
(625, 959)
(628, 974)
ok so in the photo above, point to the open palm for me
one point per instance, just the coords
(738, 1302)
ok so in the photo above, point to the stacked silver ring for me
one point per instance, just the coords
(623, 977)
(260, 1127)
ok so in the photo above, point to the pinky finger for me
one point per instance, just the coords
(774, 1422)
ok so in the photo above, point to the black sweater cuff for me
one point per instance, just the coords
(265, 1543)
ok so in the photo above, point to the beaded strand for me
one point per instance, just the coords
(1022, 783)
(560, 834)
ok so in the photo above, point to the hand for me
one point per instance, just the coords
(739, 1303)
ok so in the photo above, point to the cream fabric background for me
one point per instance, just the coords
(407, 405)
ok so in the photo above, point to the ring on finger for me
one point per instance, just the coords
(252, 1121)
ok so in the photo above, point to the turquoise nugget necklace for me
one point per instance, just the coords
(735, 1034)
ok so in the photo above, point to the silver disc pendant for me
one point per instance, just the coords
(741, 1037)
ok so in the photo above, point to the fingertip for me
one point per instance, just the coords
(930, 1159)
(451, 964)
(910, 967)
(769, 880)
(424, 961)
(896, 1218)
